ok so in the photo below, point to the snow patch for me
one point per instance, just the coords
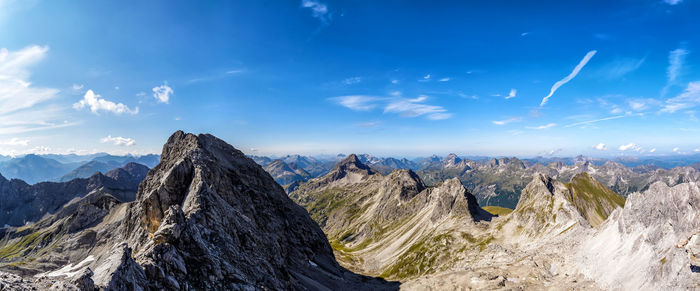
(68, 270)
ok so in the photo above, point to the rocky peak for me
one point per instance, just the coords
(544, 208)
(452, 198)
(351, 164)
(452, 159)
(404, 183)
(208, 217)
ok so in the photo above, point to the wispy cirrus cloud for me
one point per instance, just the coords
(541, 127)
(357, 102)
(23, 106)
(568, 78)
(368, 124)
(96, 103)
(673, 2)
(689, 98)
(352, 80)
(16, 92)
(118, 140)
(676, 59)
(318, 9)
(595, 120)
(15, 142)
(415, 107)
(406, 107)
(620, 67)
(506, 121)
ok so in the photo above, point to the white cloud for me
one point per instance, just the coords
(465, 96)
(77, 87)
(394, 81)
(568, 78)
(318, 10)
(676, 58)
(367, 124)
(525, 33)
(415, 107)
(444, 79)
(673, 2)
(621, 67)
(689, 98)
(405, 107)
(601, 147)
(15, 142)
(595, 120)
(352, 80)
(642, 104)
(97, 104)
(553, 152)
(677, 150)
(16, 93)
(630, 146)
(652, 150)
(506, 121)
(118, 140)
(541, 127)
(357, 102)
(162, 93)
(512, 93)
(24, 107)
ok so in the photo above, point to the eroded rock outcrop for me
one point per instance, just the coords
(208, 217)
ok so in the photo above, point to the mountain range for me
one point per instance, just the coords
(61, 168)
(207, 217)
(438, 237)
(496, 181)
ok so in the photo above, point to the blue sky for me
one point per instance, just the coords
(390, 78)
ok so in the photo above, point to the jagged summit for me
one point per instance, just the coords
(453, 198)
(208, 217)
(402, 185)
(452, 159)
(349, 167)
(544, 208)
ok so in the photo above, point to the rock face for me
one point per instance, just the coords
(545, 209)
(21, 203)
(208, 217)
(651, 243)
